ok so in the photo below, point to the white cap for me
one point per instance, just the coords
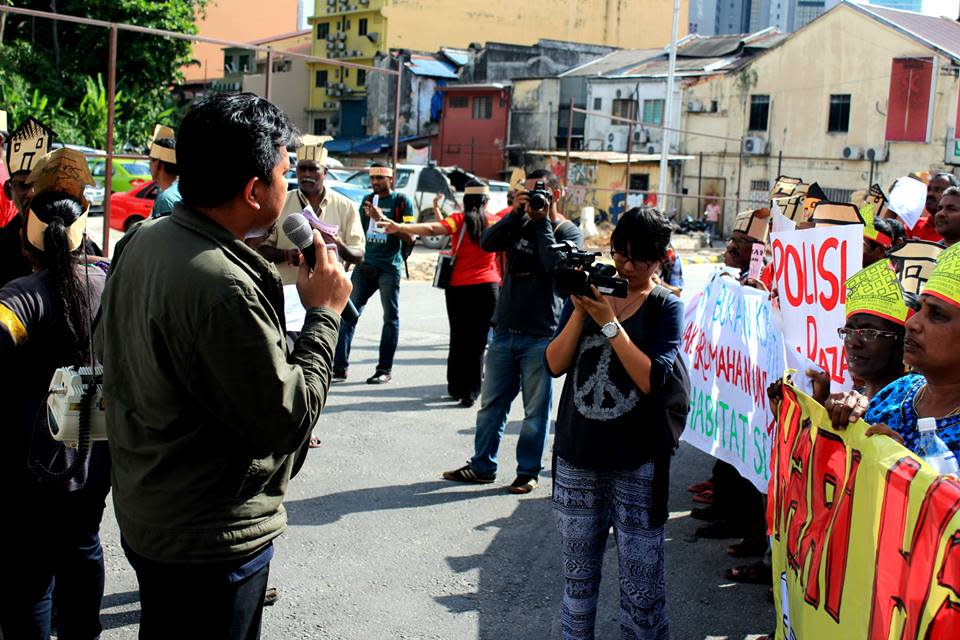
(926, 425)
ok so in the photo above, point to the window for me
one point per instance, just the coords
(759, 113)
(403, 177)
(228, 63)
(624, 108)
(653, 111)
(482, 107)
(323, 30)
(362, 27)
(346, 26)
(319, 126)
(244, 63)
(361, 77)
(714, 106)
(839, 120)
(321, 78)
(459, 102)
(346, 72)
(597, 104)
(835, 194)
(764, 185)
(912, 87)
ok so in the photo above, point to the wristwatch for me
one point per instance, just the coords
(610, 330)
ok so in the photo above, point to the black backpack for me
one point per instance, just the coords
(676, 389)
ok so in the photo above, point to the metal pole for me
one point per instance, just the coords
(268, 80)
(396, 116)
(566, 162)
(111, 115)
(668, 111)
(739, 174)
(870, 180)
(700, 186)
(626, 182)
(780, 163)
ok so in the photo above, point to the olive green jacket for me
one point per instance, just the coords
(205, 406)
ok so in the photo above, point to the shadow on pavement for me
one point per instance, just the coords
(118, 619)
(330, 508)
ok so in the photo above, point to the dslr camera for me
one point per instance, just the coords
(577, 271)
(540, 197)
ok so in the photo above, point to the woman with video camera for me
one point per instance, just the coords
(54, 497)
(613, 443)
(472, 292)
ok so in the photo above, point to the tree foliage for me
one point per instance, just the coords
(58, 67)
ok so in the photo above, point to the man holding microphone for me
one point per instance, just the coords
(206, 406)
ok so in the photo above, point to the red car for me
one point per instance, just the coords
(129, 208)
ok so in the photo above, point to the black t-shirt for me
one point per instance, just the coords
(604, 421)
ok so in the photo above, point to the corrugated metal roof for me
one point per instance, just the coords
(423, 65)
(747, 47)
(710, 47)
(612, 62)
(936, 32)
(458, 57)
(610, 157)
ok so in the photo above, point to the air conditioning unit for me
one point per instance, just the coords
(609, 147)
(611, 137)
(348, 90)
(357, 53)
(341, 86)
(329, 91)
(331, 38)
(641, 136)
(754, 146)
(331, 3)
(852, 153)
(341, 35)
(341, 46)
(694, 106)
(653, 148)
(336, 94)
(879, 154)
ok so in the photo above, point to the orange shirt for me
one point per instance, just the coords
(472, 265)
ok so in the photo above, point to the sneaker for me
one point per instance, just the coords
(523, 484)
(467, 402)
(466, 474)
(379, 378)
(339, 375)
(271, 596)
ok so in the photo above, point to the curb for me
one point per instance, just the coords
(699, 259)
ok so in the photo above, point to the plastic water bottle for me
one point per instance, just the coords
(932, 449)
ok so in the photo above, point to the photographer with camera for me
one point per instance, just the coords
(54, 495)
(525, 318)
(613, 438)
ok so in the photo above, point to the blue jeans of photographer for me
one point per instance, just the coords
(367, 280)
(514, 362)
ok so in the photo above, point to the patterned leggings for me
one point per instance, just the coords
(586, 504)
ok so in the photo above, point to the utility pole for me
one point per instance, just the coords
(668, 115)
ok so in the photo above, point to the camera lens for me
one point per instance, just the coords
(537, 201)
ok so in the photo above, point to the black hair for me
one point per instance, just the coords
(60, 211)
(643, 234)
(893, 228)
(248, 133)
(949, 177)
(950, 191)
(169, 167)
(474, 211)
(546, 176)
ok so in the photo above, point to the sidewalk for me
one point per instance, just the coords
(707, 255)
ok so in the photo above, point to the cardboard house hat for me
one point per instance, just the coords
(313, 148)
(162, 153)
(876, 291)
(944, 282)
(27, 144)
(755, 224)
(869, 230)
(914, 262)
(63, 171)
(832, 214)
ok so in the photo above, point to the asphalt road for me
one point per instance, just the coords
(380, 547)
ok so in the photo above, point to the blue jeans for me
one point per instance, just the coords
(514, 362)
(366, 281)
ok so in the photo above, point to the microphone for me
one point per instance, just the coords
(298, 231)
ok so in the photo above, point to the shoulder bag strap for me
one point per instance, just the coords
(463, 228)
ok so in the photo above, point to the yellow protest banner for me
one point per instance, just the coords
(865, 535)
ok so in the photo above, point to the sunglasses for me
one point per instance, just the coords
(866, 335)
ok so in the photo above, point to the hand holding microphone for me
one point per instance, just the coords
(321, 281)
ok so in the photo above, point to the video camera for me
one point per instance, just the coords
(577, 271)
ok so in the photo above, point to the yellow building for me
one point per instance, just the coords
(355, 30)
(862, 94)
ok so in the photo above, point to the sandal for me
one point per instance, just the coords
(756, 573)
(748, 548)
(314, 442)
(704, 497)
(700, 487)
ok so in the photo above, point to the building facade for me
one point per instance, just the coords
(473, 130)
(356, 30)
(861, 95)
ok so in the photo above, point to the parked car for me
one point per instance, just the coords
(94, 195)
(127, 173)
(130, 207)
(421, 183)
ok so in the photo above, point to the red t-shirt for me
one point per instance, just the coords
(7, 210)
(925, 230)
(472, 265)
